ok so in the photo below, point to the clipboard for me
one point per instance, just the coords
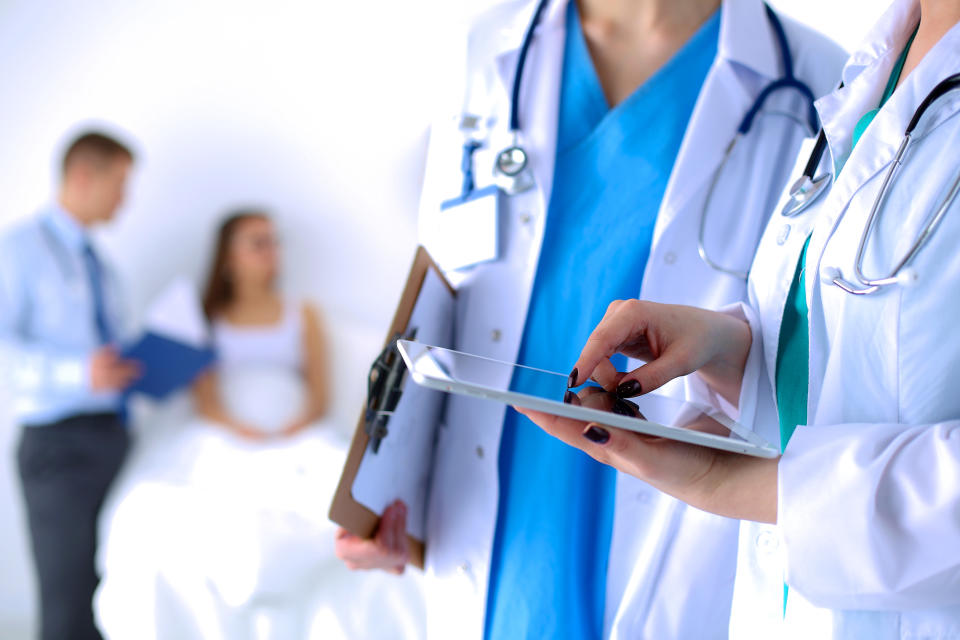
(400, 418)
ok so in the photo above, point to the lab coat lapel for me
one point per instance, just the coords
(745, 40)
(867, 78)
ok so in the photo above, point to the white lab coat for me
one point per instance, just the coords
(672, 567)
(868, 537)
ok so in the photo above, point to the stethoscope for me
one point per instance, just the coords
(807, 189)
(512, 172)
(788, 81)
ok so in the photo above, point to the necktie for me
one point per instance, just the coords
(95, 275)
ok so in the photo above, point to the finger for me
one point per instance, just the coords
(620, 448)
(606, 375)
(385, 531)
(134, 366)
(400, 532)
(617, 326)
(653, 375)
(587, 392)
(566, 429)
(600, 400)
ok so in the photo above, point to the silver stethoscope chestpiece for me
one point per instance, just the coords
(512, 171)
(511, 161)
(803, 192)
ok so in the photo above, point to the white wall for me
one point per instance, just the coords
(315, 109)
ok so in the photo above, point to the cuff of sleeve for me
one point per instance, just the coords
(72, 372)
(745, 411)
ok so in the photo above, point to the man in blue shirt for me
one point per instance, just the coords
(60, 316)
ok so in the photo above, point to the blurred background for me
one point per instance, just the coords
(315, 110)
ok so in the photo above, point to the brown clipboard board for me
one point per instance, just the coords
(345, 510)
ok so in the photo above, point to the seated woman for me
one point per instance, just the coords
(218, 527)
(256, 330)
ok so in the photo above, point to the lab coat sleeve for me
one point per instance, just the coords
(27, 365)
(870, 514)
(697, 390)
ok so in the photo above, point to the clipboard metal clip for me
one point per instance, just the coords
(384, 384)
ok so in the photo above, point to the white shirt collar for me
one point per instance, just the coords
(65, 226)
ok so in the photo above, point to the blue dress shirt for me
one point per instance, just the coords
(549, 565)
(58, 303)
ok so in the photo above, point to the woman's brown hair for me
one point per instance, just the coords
(219, 291)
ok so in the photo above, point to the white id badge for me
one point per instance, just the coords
(468, 228)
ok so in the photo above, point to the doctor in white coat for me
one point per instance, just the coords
(866, 495)
(658, 543)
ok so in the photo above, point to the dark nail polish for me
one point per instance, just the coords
(568, 397)
(629, 389)
(572, 379)
(624, 408)
(598, 435)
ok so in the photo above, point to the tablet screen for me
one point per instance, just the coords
(457, 368)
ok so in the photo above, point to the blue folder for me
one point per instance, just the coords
(168, 365)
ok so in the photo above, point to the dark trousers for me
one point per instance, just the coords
(66, 469)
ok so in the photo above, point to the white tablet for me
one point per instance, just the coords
(652, 414)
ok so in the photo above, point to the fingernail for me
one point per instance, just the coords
(568, 397)
(629, 389)
(624, 408)
(572, 379)
(599, 435)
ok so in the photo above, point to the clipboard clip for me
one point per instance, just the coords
(384, 384)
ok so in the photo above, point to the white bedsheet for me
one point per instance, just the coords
(209, 536)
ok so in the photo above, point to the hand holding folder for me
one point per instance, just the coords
(167, 364)
(175, 348)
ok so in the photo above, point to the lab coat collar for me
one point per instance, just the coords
(748, 39)
(514, 19)
(68, 231)
(865, 77)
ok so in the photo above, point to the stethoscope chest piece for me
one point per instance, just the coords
(512, 171)
(804, 192)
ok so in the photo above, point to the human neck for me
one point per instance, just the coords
(629, 40)
(75, 209)
(252, 294)
(632, 16)
(937, 17)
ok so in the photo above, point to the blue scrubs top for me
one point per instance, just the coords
(549, 565)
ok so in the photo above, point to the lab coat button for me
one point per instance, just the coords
(767, 542)
(495, 335)
(783, 235)
(670, 257)
(464, 569)
(525, 217)
(480, 452)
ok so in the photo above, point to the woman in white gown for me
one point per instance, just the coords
(219, 527)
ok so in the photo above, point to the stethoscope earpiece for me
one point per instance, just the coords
(908, 277)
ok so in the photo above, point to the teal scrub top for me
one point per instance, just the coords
(549, 564)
